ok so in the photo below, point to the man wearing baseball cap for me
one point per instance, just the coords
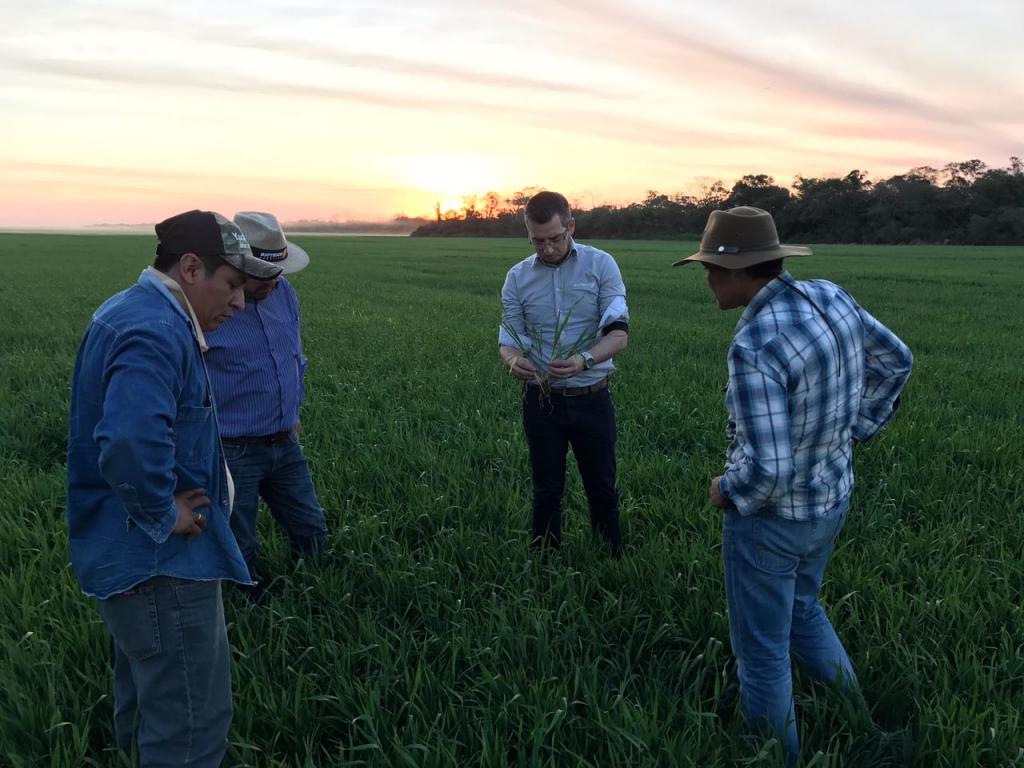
(257, 371)
(149, 495)
(811, 373)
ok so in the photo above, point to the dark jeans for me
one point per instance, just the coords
(587, 423)
(172, 676)
(280, 474)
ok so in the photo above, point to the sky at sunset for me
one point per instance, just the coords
(128, 112)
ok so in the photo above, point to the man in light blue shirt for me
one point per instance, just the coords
(257, 371)
(564, 317)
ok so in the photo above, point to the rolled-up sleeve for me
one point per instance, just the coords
(611, 295)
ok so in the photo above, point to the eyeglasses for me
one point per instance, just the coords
(540, 243)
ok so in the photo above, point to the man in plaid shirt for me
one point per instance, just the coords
(811, 373)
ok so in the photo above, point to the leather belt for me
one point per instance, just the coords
(575, 391)
(277, 437)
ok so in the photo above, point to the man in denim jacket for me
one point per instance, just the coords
(149, 496)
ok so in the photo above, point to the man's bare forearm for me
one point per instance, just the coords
(609, 345)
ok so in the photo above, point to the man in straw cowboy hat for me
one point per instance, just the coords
(811, 373)
(257, 370)
(149, 496)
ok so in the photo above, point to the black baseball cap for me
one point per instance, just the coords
(206, 233)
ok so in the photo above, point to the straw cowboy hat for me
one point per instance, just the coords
(741, 237)
(266, 238)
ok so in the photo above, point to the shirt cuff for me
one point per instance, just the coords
(726, 491)
(157, 524)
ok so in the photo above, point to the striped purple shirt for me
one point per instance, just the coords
(257, 367)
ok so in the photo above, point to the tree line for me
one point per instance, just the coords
(962, 203)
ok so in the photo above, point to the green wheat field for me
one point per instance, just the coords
(430, 637)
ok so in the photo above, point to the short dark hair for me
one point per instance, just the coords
(771, 268)
(544, 206)
(166, 261)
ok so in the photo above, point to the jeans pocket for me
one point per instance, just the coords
(199, 607)
(774, 544)
(234, 451)
(132, 620)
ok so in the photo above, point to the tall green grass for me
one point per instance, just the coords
(432, 638)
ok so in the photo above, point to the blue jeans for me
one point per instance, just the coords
(279, 473)
(773, 571)
(172, 676)
(587, 422)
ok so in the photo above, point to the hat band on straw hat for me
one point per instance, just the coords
(270, 255)
(728, 248)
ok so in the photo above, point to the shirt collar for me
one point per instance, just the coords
(537, 261)
(175, 290)
(762, 299)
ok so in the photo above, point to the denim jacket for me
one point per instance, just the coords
(142, 428)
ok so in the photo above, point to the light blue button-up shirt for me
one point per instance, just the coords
(573, 301)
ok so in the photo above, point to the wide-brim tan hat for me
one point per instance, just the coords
(741, 237)
(266, 238)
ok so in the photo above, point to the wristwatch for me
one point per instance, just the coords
(588, 360)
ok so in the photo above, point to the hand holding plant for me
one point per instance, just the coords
(563, 369)
(562, 361)
(521, 368)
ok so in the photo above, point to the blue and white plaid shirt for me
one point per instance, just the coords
(800, 389)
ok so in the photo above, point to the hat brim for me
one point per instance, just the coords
(251, 266)
(296, 260)
(745, 258)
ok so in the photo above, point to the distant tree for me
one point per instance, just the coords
(996, 189)
(759, 191)
(517, 201)
(830, 210)
(926, 172)
(964, 202)
(713, 195)
(492, 204)
(964, 173)
(906, 209)
(958, 198)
